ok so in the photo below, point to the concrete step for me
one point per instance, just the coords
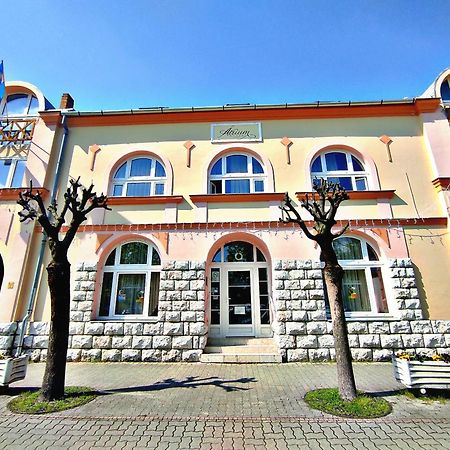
(240, 350)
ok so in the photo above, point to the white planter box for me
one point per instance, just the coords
(422, 375)
(13, 369)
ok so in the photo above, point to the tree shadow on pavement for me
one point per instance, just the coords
(189, 382)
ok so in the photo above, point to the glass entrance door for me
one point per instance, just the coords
(240, 311)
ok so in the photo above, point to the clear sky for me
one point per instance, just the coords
(119, 54)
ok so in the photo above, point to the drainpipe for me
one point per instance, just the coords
(37, 273)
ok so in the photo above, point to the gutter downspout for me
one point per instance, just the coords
(37, 273)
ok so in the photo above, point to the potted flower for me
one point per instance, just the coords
(422, 371)
(12, 369)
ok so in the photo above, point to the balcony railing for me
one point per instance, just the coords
(16, 135)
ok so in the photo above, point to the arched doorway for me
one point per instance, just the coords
(239, 287)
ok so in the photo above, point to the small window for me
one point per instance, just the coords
(12, 171)
(340, 167)
(362, 286)
(139, 177)
(130, 285)
(237, 174)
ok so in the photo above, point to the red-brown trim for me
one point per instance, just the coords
(442, 183)
(223, 226)
(157, 200)
(355, 195)
(11, 194)
(237, 198)
(421, 105)
(51, 117)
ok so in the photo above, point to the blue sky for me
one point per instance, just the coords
(112, 54)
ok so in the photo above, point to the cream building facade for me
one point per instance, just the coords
(192, 255)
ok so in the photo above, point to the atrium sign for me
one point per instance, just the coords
(236, 132)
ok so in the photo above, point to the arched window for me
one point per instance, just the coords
(362, 286)
(20, 104)
(130, 285)
(445, 90)
(237, 174)
(340, 167)
(139, 177)
(11, 172)
(238, 251)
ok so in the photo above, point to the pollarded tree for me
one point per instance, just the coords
(323, 206)
(78, 201)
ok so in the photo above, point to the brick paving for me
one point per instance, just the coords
(213, 406)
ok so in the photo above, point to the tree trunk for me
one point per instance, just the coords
(55, 369)
(333, 274)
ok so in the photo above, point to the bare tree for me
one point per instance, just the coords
(323, 206)
(79, 201)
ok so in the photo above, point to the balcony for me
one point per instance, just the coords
(16, 135)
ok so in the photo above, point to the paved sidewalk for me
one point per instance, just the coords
(171, 406)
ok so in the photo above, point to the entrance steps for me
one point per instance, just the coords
(240, 350)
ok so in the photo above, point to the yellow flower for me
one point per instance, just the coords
(437, 357)
(404, 356)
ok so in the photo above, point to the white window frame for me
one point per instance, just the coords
(249, 175)
(151, 179)
(129, 269)
(29, 100)
(353, 174)
(12, 171)
(366, 264)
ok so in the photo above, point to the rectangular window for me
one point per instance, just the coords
(154, 294)
(236, 164)
(361, 183)
(259, 186)
(264, 296)
(237, 186)
(354, 291)
(106, 294)
(5, 166)
(215, 186)
(159, 189)
(130, 294)
(117, 190)
(215, 296)
(138, 189)
(19, 172)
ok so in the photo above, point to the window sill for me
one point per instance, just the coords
(368, 317)
(237, 198)
(127, 319)
(154, 200)
(12, 194)
(356, 195)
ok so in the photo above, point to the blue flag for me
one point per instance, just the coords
(2, 82)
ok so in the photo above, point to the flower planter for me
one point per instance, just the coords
(422, 375)
(13, 369)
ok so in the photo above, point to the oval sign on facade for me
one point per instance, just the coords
(236, 132)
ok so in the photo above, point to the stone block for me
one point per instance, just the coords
(299, 294)
(284, 294)
(73, 355)
(162, 296)
(6, 341)
(111, 355)
(361, 354)
(101, 342)
(94, 328)
(320, 314)
(281, 275)
(121, 342)
(133, 329)
(412, 303)
(188, 316)
(173, 295)
(189, 295)
(140, 342)
(284, 316)
(316, 294)
(278, 327)
(441, 326)
(113, 329)
(412, 340)
(84, 306)
(197, 306)
(154, 329)
(180, 306)
(182, 285)
(353, 340)
(76, 316)
(297, 355)
(285, 341)
(391, 341)
(173, 329)
(369, 340)
(309, 305)
(288, 265)
(162, 342)
(306, 342)
(197, 285)
(171, 355)
(79, 296)
(278, 284)
(314, 274)
(319, 355)
(131, 355)
(299, 316)
(379, 327)
(169, 265)
(76, 327)
(175, 275)
(295, 328)
(280, 305)
(167, 285)
(401, 326)
(81, 341)
(357, 327)
(382, 355)
(92, 355)
(90, 266)
(326, 341)
(316, 327)
(304, 264)
(197, 329)
(293, 305)
(181, 265)
(182, 342)
(197, 265)
(407, 314)
(434, 340)
(38, 328)
(89, 296)
(296, 275)
(200, 316)
(151, 355)
(292, 284)
(190, 275)
(173, 316)
(421, 326)
(191, 355)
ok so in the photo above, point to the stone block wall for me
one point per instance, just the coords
(303, 329)
(178, 333)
